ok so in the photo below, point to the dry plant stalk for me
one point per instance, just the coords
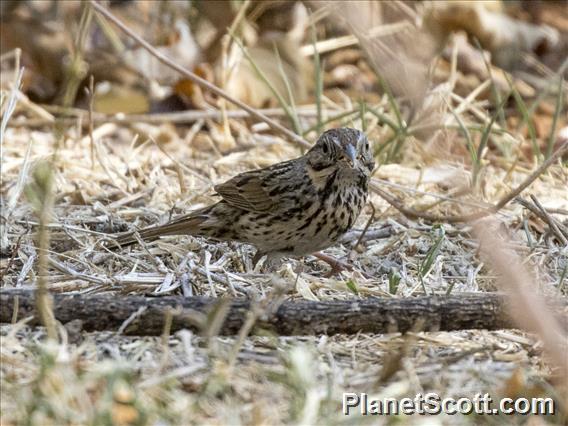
(91, 94)
(41, 195)
(526, 307)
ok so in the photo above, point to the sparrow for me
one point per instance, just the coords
(289, 209)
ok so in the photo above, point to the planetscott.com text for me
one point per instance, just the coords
(432, 403)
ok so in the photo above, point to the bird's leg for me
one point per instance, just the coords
(337, 266)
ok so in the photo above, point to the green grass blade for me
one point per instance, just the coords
(394, 281)
(467, 135)
(557, 111)
(384, 119)
(293, 110)
(485, 139)
(522, 107)
(362, 112)
(547, 89)
(494, 91)
(392, 102)
(432, 254)
(385, 145)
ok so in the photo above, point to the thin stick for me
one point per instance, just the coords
(16, 306)
(198, 80)
(366, 228)
(530, 179)
(91, 93)
(373, 315)
(543, 215)
(440, 197)
(554, 227)
(188, 116)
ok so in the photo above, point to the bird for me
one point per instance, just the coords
(289, 209)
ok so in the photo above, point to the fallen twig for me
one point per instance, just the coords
(108, 312)
(71, 115)
(539, 211)
(556, 227)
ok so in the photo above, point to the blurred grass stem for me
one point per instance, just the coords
(318, 78)
(43, 194)
(558, 109)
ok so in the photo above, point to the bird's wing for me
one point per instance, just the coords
(264, 190)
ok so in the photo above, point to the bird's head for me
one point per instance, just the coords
(344, 149)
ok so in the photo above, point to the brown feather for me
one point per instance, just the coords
(188, 224)
(247, 195)
(259, 190)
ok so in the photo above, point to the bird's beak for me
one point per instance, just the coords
(351, 153)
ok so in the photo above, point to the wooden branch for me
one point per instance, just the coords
(146, 315)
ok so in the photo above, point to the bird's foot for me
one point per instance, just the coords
(337, 265)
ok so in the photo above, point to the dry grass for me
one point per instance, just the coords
(145, 171)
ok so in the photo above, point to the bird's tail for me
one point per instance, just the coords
(184, 225)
